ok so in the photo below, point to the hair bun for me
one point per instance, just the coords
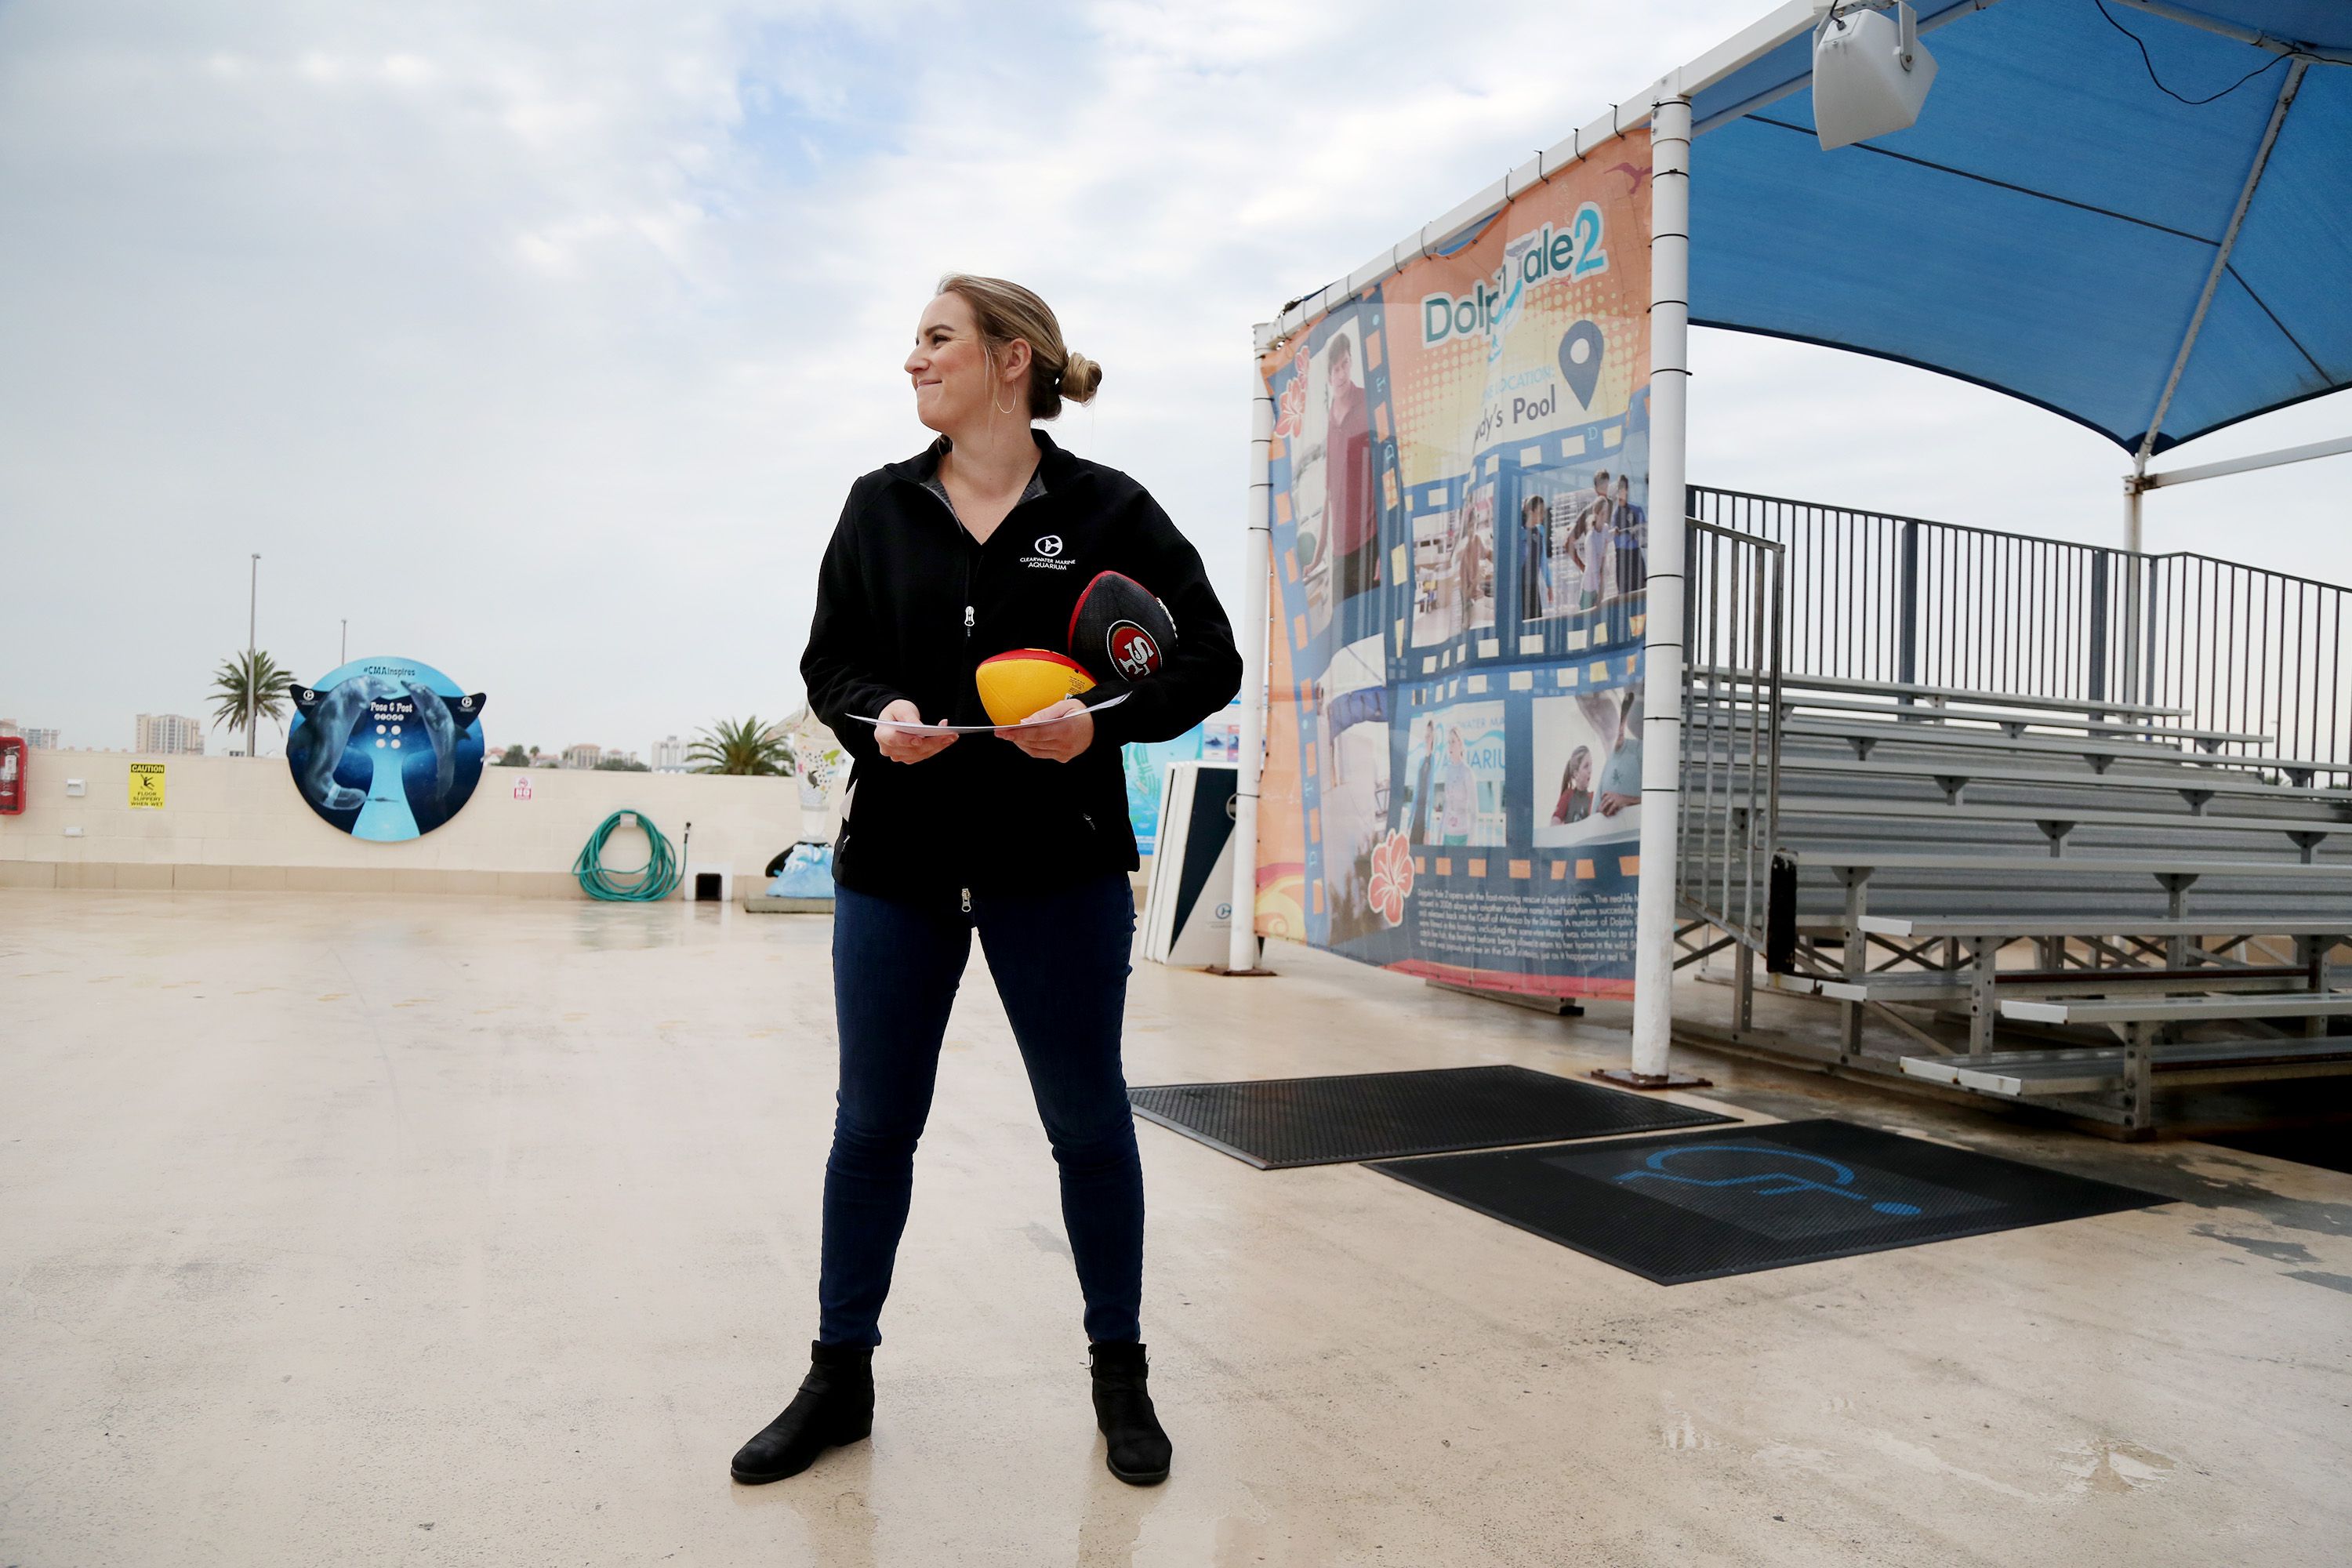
(1080, 376)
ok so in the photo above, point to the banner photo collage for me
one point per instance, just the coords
(1461, 530)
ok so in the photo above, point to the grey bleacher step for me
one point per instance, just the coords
(1918, 737)
(2112, 865)
(1950, 693)
(1834, 739)
(1933, 986)
(2085, 845)
(2081, 917)
(2040, 912)
(2082, 816)
(2180, 1009)
(1930, 714)
(1923, 927)
(2026, 1075)
(2129, 907)
(2184, 776)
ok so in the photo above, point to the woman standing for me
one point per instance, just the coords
(980, 544)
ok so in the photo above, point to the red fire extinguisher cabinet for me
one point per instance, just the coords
(15, 758)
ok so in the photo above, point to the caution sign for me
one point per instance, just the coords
(147, 785)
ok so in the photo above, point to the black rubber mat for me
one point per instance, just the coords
(1702, 1205)
(1278, 1123)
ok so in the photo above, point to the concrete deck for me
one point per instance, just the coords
(460, 1230)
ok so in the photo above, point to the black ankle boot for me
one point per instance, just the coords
(1139, 1448)
(833, 1408)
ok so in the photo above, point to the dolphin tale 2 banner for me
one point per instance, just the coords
(1461, 526)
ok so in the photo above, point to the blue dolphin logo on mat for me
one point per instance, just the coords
(1767, 1183)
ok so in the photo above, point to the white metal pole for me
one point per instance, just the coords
(2328, 448)
(252, 608)
(1257, 556)
(2133, 483)
(1662, 641)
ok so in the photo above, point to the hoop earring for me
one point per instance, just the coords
(988, 357)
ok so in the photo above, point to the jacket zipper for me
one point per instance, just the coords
(972, 547)
(967, 900)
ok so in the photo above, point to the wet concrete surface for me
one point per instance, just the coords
(482, 1231)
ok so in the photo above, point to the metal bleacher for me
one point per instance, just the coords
(2071, 877)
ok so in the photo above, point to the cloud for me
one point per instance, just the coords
(541, 341)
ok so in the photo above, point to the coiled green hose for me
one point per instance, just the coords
(656, 881)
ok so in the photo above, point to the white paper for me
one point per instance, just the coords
(984, 728)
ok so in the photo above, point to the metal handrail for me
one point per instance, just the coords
(1880, 596)
(1733, 627)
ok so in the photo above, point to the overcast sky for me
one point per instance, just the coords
(541, 338)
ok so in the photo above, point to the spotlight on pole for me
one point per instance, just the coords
(1870, 75)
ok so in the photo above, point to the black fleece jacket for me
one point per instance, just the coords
(908, 603)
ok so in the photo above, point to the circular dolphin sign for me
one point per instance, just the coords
(385, 749)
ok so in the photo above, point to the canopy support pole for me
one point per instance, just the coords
(2136, 481)
(1662, 637)
(2220, 264)
(2284, 454)
(2132, 577)
(2260, 40)
(1257, 561)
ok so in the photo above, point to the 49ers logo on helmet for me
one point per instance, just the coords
(1131, 649)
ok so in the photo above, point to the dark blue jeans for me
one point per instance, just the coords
(1060, 963)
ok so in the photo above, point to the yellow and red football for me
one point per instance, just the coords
(1026, 681)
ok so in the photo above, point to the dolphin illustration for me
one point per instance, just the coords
(339, 712)
(336, 714)
(433, 710)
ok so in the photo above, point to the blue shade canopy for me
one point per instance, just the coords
(2051, 225)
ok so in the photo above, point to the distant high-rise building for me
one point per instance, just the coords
(169, 734)
(41, 740)
(583, 756)
(669, 755)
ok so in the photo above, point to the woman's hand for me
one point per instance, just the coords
(1057, 743)
(897, 744)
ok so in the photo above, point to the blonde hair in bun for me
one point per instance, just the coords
(1080, 376)
(1004, 311)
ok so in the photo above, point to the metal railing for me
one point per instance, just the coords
(2243, 648)
(1733, 615)
(1877, 597)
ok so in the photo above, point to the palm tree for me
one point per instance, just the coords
(248, 688)
(513, 757)
(741, 746)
